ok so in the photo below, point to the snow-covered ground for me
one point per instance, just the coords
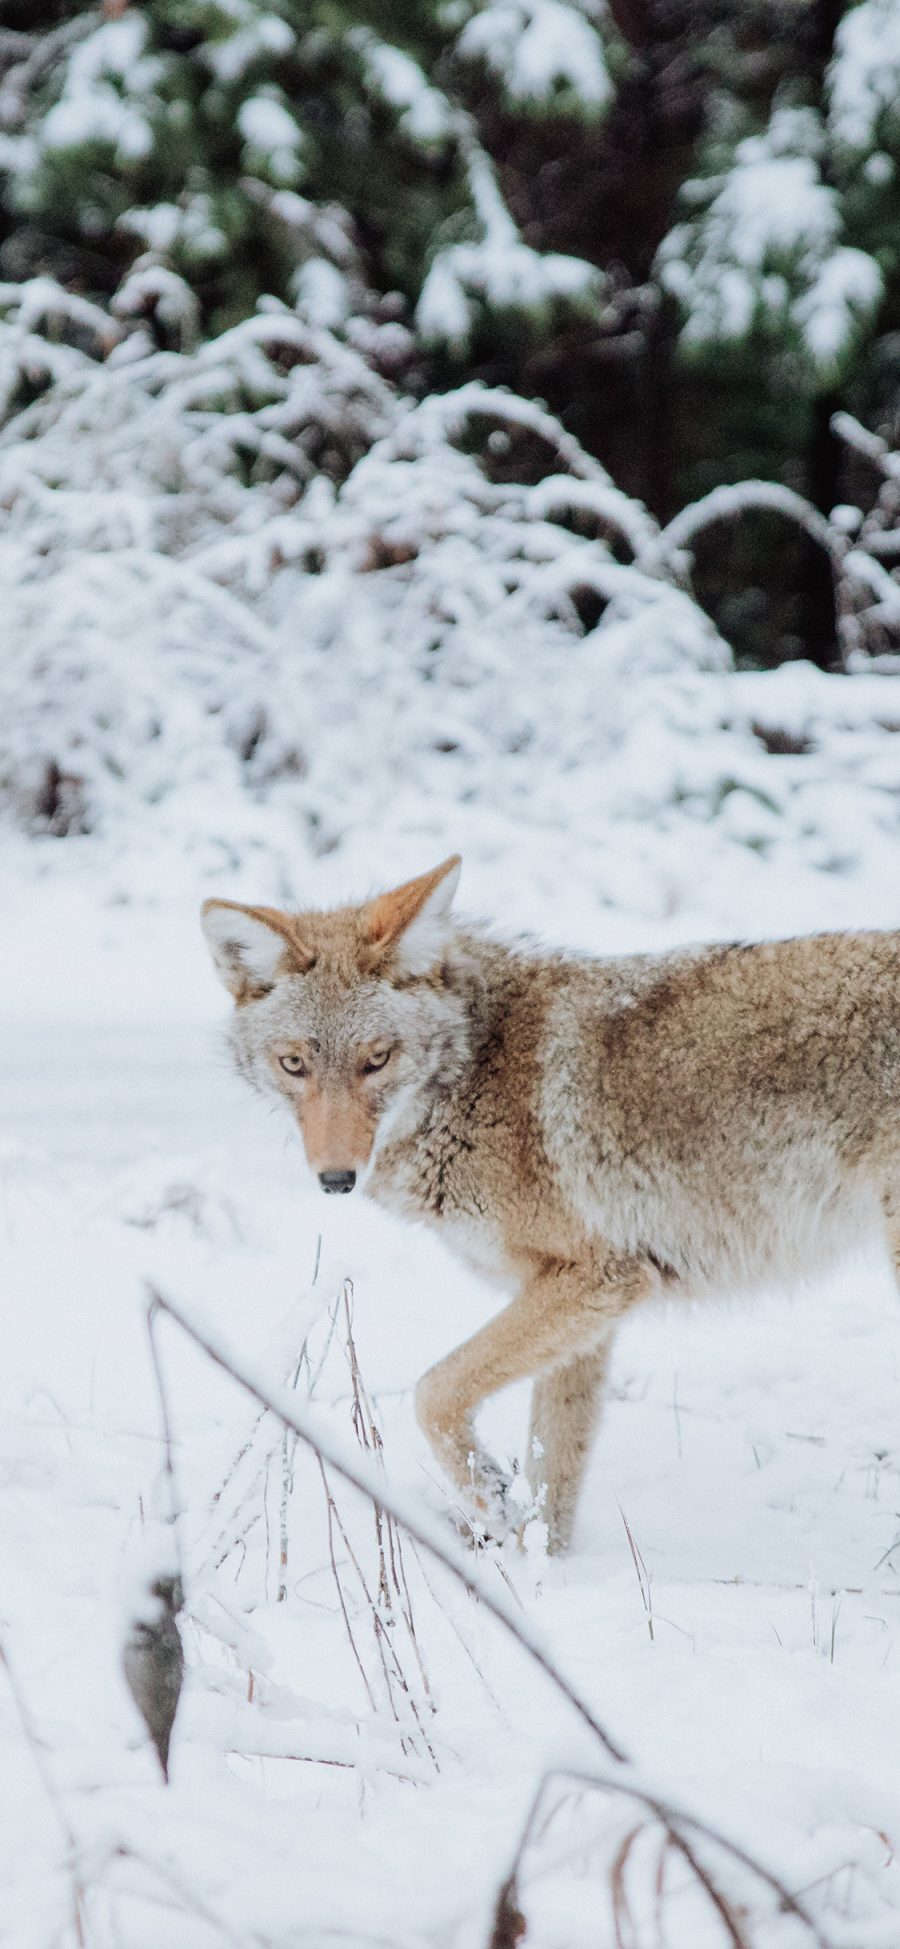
(753, 1453)
(336, 1776)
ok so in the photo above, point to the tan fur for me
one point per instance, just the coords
(588, 1133)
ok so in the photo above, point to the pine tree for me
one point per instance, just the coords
(783, 268)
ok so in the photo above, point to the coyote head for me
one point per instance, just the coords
(347, 1015)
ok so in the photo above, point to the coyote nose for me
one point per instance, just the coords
(337, 1180)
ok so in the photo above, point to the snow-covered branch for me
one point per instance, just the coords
(728, 504)
(869, 445)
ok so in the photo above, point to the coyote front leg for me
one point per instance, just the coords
(565, 1310)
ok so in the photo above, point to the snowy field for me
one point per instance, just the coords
(246, 704)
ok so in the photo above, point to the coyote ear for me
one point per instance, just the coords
(414, 919)
(248, 944)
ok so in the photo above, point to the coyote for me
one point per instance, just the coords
(588, 1133)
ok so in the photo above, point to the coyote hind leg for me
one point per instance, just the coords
(565, 1408)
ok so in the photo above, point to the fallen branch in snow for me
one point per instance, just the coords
(366, 1475)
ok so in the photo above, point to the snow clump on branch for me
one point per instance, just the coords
(764, 251)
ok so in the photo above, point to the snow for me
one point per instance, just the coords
(767, 249)
(425, 114)
(267, 124)
(150, 287)
(274, 632)
(848, 287)
(864, 76)
(511, 278)
(500, 273)
(251, 34)
(158, 226)
(320, 292)
(92, 107)
(272, 137)
(188, 226)
(539, 47)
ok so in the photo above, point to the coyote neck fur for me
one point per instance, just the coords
(470, 1156)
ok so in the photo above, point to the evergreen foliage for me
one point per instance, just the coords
(676, 225)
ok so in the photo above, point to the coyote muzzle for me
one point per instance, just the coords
(337, 1133)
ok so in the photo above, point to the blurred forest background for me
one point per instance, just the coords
(678, 225)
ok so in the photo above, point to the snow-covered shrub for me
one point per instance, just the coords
(237, 572)
(260, 604)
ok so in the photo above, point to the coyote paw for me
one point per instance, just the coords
(487, 1516)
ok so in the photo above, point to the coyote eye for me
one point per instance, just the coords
(294, 1064)
(376, 1060)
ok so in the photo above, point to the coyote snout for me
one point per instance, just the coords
(592, 1133)
(338, 1131)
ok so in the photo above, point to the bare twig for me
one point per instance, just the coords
(314, 1378)
(622, 1917)
(672, 1822)
(509, 1922)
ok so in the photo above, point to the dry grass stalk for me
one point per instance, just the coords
(386, 1596)
(393, 1585)
(332, 1517)
(641, 1572)
(289, 1441)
